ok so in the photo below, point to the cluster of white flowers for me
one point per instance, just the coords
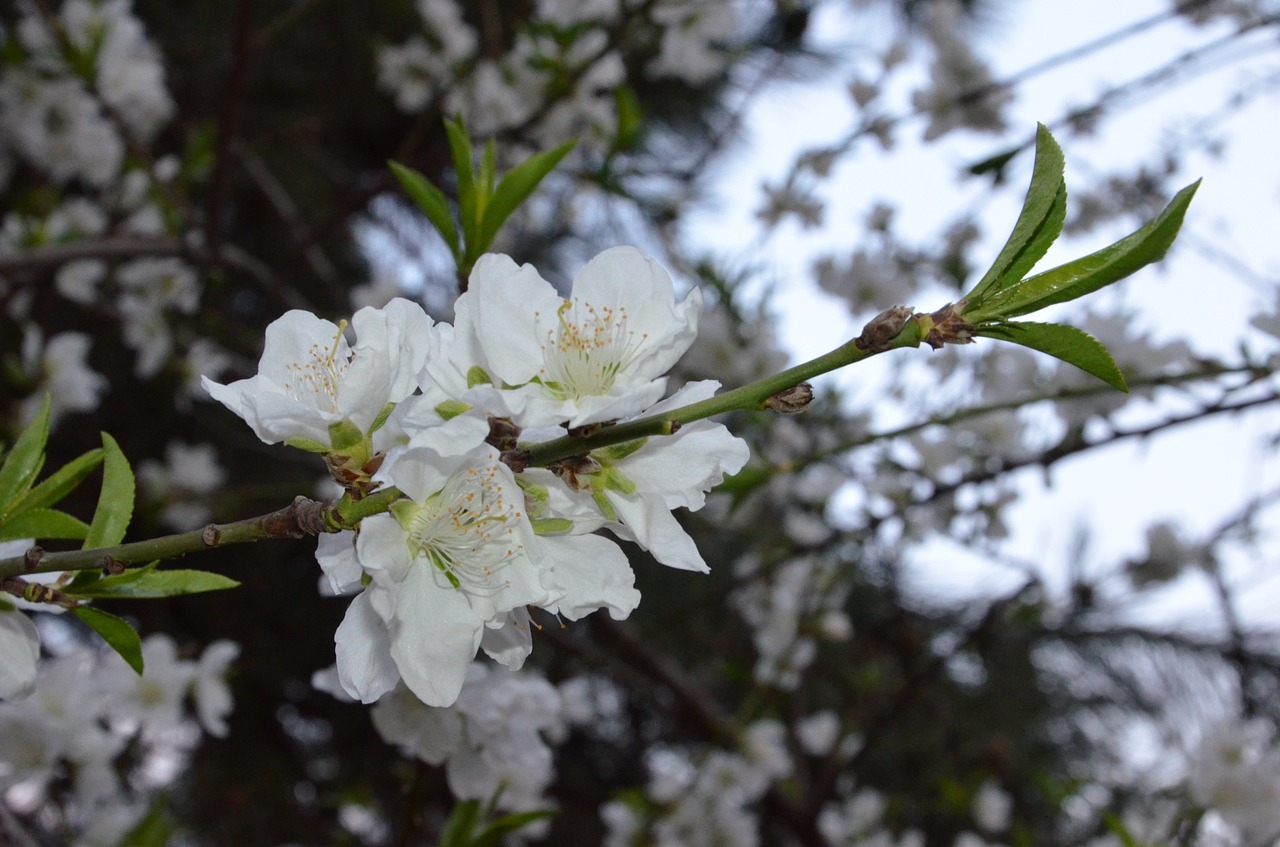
(432, 409)
(564, 43)
(1235, 772)
(83, 757)
(703, 799)
(91, 81)
(89, 86)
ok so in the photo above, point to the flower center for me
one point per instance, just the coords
(466, 530)
(317, 378)
(587, 350)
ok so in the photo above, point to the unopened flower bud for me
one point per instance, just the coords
(882, 329)
(791, 401)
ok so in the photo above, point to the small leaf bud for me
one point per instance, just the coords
(882, 329)
(791, 401)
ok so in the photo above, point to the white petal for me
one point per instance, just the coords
(434, 637)
(400, 332)
(593, 573)
(682, 468)
(336, 554)
(19, 653)
(504, 302)
(626, 279)
(381, 548)
(657, 530)
(363, 648)
(511, 641)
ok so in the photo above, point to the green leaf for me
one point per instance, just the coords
(43, 523)
(626, 105)
(515, 188)
(508, 824)
(1089, 273)
(115, 502)
(151, 584)
(117, 632)
(1071, 345)
(25, 459)
(461, 823)
(87, 577)
(433, 204)
(155, 830)
(1038, 225)
(62, 481)
(460, 147)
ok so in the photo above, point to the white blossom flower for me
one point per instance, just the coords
(309, 379)
(494, 741)
(601, 353)
(153, 700)
(212, 695)
(639, 487)
(455, 555)
(61, 371)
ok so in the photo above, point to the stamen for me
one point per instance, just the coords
(465, 531)
(318, 379)
(588, 349)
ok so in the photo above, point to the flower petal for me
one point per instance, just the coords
(363, 648)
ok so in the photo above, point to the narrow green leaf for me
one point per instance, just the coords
(516, 186)
(1071, 345)
(508, 824)
(432, 202)
(488, 173)
(461, 823)
(117, 632)
(115, 503)
(152, 584)
(155, 830)
(43, 523)
(1038, 225)
(25, 459)
(460, 147)
(1089, 273)
(87, 577)
(630, 118)
(61, 482)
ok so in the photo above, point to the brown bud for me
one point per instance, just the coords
(503, 433)
(31, 558)
(210, 535)
(791, 401)
(517, 460)
(882, 329)
(569, 469)
(948, 326)
(111, 567)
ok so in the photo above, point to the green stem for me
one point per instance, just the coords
(750, 396)
(308, 517)
(301, 518)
